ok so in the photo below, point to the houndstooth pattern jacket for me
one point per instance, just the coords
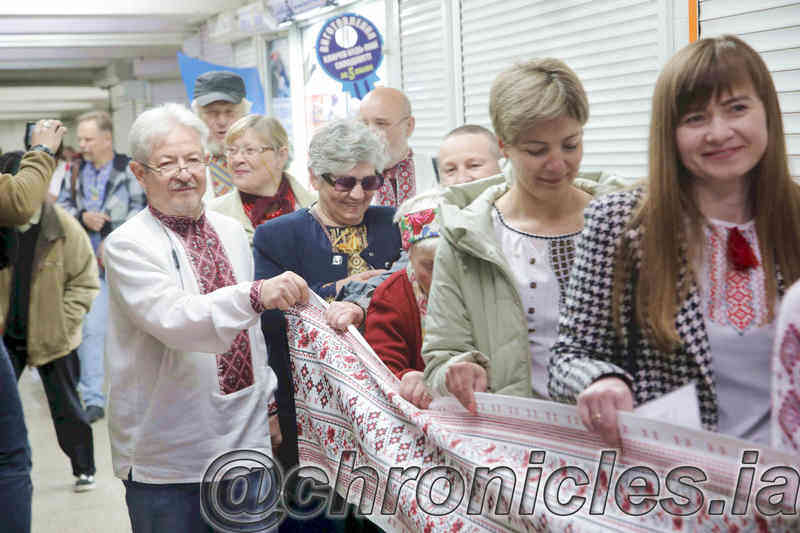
(588, 347)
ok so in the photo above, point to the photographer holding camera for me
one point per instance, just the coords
(20, 196)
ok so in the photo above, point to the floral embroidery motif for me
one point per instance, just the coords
(351, 241)
(213, 271)
(418, 226)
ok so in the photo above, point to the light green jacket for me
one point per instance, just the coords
(231, 204)
(475, 313)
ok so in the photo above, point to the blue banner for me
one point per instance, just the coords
(350, 50)
(191, 68)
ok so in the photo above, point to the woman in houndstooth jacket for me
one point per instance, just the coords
(678, 282)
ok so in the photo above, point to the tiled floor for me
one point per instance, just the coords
(56, 508)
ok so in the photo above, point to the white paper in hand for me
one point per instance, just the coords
(679, 407)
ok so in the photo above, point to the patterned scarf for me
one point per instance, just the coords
(213, 271)
(220, 175)
(399, 183)
(259, 209)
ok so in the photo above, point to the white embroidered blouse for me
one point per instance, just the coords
(739, 333)
(541, 266)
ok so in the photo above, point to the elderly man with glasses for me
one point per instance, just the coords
(187, 362)
(388, 112)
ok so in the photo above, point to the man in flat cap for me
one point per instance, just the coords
(219, 101)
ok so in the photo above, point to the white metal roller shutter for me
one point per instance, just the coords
(613, 45)
(215, 52)
(772, 27)
(244, 53)
(424, 70)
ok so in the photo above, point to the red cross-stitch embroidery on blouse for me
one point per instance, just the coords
(740, 299)
(213, 271)
(788, 402)
(735, 296)
(401, 177)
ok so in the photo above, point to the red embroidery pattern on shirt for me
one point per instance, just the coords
(402, 177)
(213, 271)
(740, 299)
(735, 297)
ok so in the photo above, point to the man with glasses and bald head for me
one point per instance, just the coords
(387, 111)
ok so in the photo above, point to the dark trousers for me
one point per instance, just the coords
(15, 454)
(60, 380)
(156, 508)
(176, 507)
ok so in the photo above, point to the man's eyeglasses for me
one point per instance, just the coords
(170, 170)
(385, 125)
(247, 151)
(347, 183)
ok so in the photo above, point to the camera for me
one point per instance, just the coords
(29, 126)
(28, 134)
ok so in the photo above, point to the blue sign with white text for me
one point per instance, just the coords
(350, 50)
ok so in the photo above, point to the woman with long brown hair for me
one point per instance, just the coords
(678, 281)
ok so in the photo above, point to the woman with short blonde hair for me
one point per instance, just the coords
(505, 251)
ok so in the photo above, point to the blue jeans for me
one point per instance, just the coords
(92, 348)
(155, 508)
(15, 454)
(172, 507)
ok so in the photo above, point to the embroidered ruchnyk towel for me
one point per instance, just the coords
(786, 375)
(421, 470)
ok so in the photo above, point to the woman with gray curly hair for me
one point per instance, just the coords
(340, 238)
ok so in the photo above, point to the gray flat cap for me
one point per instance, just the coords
(218, 85)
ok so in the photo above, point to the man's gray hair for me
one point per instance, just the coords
(155, 124)
(342, 144)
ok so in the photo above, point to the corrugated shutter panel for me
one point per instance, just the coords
(422, 50)
(214, 52)
(244, 53)
(772, 27)
(613, 46)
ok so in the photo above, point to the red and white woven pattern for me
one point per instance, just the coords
(347, 400)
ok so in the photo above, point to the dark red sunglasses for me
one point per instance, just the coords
(346, 183)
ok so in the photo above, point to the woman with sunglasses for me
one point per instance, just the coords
(338, 239)
(503, 261)
(257, 148)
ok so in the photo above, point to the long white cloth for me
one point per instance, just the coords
(347, 400)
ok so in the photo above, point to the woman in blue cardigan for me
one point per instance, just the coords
(338, 239)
